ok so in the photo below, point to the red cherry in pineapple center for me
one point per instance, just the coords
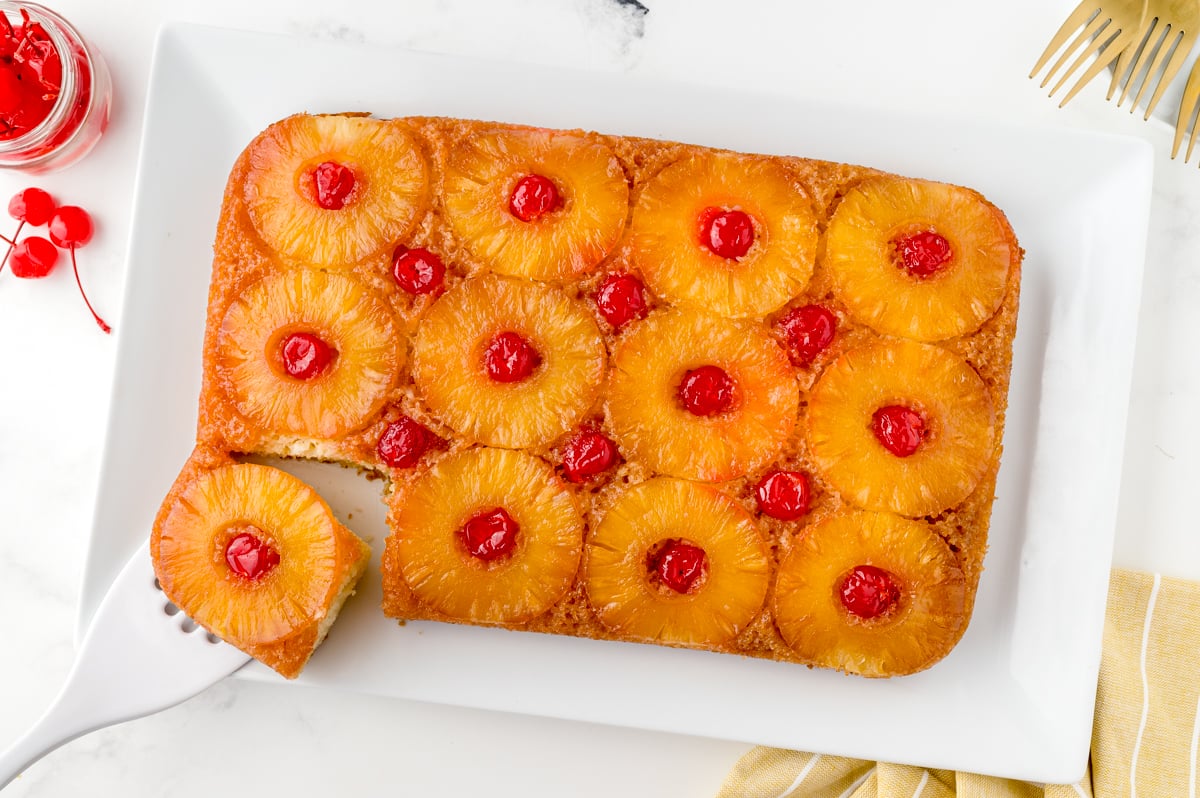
(680, 565)
(869, 592)
(587, 454)
(924, 253)
(809, 330)
(249, 556)
(706, 391)
(510, 358)
(783, 494)
(403, 442)
(418, 271)
(900, 429)
(533, 197)
(304, 355)
(727, 233)
(490, 534)
(332, 184)
(621, 298)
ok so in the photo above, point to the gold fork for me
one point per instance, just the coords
(1109, 26)
(1167, 34)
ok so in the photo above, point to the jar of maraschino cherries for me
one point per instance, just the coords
(55, 90)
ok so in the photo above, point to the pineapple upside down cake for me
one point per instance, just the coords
(619, 388)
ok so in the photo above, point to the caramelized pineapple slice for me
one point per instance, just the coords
(486, 536)
(923, 260)
(727, 234)
(333, 190)
(870, 593)
(700, 397)
(541, 204)
(307, 352)
(508, 362)
(902, 426)
(676, 562)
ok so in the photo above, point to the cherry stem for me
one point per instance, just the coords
(12, 242)
(103, 325)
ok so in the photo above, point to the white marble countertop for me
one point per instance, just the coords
(244, 738)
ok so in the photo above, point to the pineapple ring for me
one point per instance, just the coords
(924, 624)
(449, 354)
(481, 175)
(626, 599)
(425, 548)
(342, 312)
(294, 520)
(667, 248)
(390, 193)
(654, 427)
(951, 460)
(956, 299)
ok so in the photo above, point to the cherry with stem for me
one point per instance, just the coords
(70, 228)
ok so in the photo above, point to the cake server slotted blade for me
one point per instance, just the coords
(140, 655)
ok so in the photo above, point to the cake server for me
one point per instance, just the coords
(140, 655)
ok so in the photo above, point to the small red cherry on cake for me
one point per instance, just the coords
(621, 298)
(71, 228)
(304, 355)
(418, 271)
(333, 183)
(490, 534)
(249, 556)
(510, 358)
(33, 257)
(923, 254)
(533, 197)
(809, 331)
(899, 428)
(869, 592)
(706, 391)
(403, 443)
(783, 494)
(588, 453)
(680, 565)
(727, 233)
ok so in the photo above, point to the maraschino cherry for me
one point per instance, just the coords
(869, 592)
(680, 565)
(249, 556)
(900, 429)
(533, 197)
(490, 535)
(403, 443)
(621, 298)
(706, 391)
(510, 358)
(727, 233)
(418, 271)
(923, 254)
(587, 454)
(809, 331)
(783, 494)
(70, 227)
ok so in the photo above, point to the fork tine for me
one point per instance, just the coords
(1171, 69)
(1082, 13)
(1144, 43)
(1105, 50)
(1187, 110)
(1163, 37)
(1087, 37)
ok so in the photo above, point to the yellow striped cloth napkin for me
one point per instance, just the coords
(1143, 741)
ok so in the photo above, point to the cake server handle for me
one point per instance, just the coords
(140, 655)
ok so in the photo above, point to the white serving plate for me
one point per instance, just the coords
(1015, 698)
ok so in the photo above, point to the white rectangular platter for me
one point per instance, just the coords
(1015, 698)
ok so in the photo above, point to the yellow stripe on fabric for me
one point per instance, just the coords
(904, 781)
(972, 785)
(1119, 697)
(1165, 757)
(775, 773)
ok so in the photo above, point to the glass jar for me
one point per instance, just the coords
(78, 116)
